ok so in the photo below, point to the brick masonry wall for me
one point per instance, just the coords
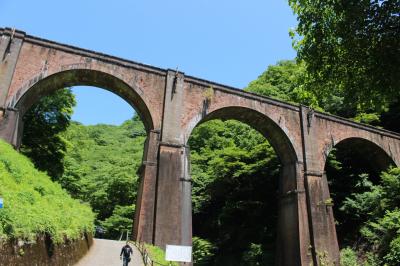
(43, 252)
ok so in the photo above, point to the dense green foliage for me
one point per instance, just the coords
(284, 81)
(361, 197)
(287, 81)
(350, 48)
(119, 221)
(348, 257)
(379, 207)
(203, 251)
(34, 205)
(43, 123)
(100, 168)
(235, 174)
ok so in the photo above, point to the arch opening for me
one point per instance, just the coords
(94, 168)
(353, 169)
(241, 165)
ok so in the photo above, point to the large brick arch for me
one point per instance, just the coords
(41, 86)
(277, 121)
(277, 136)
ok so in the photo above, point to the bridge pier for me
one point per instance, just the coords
(11, 126)
(293, 238)
(10, 120)
(324, 244)
(145, 204)
(173, 219)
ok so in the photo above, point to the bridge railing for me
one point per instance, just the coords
(147, 260)
(145, 255)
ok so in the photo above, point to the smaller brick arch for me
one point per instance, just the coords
(27, 96)
(289, 229)
(364, 156)
(373, 153)
(260, 122)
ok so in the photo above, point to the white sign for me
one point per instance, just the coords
(1, 203)
(178, 253)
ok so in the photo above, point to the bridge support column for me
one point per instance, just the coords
(173, 216)
(293, 229)
(10, 46)
(324, 242)
(173, 213)
(144, 215)
(11, 127)
(10, 122)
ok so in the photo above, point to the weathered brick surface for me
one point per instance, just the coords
(43, 252)
(171, 106)
(143, 88)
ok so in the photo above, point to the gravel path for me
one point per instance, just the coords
(106, 253)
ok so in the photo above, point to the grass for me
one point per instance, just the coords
(34, 205)
(158, 255)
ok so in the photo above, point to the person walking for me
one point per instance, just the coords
(126, 252)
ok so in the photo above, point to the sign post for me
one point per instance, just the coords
(178, 253)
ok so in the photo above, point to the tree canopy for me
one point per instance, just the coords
(100, 168)
(43, 123)
(350, 48)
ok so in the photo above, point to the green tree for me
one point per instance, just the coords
(380, 203)
(43, 123)
(350, 48)
(203, 251)
(119, 222)
(235, 174)
(284, 81)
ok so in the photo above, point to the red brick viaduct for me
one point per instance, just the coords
(171, 104)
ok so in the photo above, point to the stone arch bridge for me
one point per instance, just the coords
(171, 104)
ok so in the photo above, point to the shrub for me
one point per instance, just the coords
(348, 257)
(203, 251)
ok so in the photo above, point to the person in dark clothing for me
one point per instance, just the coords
(126, 252)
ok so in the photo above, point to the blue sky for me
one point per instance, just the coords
(226, 41)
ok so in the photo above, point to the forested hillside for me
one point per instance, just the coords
(34, 205)
(100, 167)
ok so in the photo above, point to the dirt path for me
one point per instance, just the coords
(106, 253)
